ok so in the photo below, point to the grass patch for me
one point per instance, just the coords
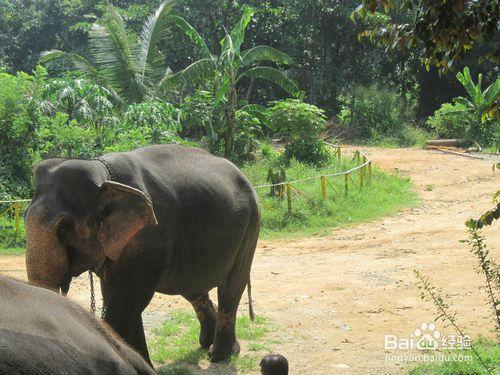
(12, 250)
(311, 214)
(174, 344)
(489, 351)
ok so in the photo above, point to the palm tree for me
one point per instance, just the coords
(229, 69)
(128, 64)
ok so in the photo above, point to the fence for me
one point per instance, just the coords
(13, 209)
(364, 171)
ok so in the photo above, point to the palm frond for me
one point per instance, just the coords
(201, 70)
(80, 63)
(193, 35)
(151, 63)
(115, 52)
(238, 32)
(274, 76)
(265, 53)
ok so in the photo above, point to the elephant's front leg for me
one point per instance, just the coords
(123, 312)
(205, 311)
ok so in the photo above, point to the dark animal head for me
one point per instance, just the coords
(274, 364)
(77, 219)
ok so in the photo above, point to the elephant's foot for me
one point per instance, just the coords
(223, 351)
(207, 333)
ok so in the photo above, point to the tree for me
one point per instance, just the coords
(130, 65)
(228, 70)
(445, 30)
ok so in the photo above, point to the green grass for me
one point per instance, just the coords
(12, 250)
(487, 349)
(174, 344)
(311, 214)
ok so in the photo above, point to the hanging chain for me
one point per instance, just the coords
(92, 293)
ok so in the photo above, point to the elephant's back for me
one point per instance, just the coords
(182, 175)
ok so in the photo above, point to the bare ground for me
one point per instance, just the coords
(335, 297)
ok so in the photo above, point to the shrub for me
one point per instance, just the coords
(450, 121)
(16, 128)
(197, 116)
(300, 124)
(248, 130)
(373, 112)
(163, 119)
(60, 137)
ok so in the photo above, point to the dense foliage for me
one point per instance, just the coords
(195, 71)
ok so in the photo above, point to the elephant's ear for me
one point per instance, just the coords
(124, 212)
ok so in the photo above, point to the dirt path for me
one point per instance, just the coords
(335, 297)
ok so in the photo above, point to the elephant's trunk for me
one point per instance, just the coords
(47, 262)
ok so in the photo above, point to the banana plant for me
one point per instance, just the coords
(228, 71)
(483, 105)
(129, 65)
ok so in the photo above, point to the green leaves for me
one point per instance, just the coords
(151, 62)
(129, 65)
(265, 53)
(193, 35)
(273, 75)
(484, 105)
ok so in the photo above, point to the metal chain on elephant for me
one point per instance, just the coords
(92, 293)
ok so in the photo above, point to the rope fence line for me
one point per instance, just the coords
(365, 175)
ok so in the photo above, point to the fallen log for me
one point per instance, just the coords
(447, 142)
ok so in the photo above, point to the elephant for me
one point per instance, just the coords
(44, 333)
(163, 218)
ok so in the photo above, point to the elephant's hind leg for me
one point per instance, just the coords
(205, 311)
(229, 296)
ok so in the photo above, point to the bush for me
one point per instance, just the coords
(450, 121)
(372, 112)
(16, 128)
(248, 131)
(197, 115)
(163, 119)
(300, 124)
(60, 137)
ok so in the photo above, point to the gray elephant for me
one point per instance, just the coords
(165, 218)
(44, 333)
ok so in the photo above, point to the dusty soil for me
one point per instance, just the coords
(335, 297)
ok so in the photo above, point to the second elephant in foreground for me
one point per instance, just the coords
(43, 333)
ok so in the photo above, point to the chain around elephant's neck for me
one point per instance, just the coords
(107, 166)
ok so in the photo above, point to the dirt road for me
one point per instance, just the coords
(335, 297)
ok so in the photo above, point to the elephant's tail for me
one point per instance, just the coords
(250, 303)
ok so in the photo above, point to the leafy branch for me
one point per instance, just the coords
(432, 294)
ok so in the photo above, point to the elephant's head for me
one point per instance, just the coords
(77, 219)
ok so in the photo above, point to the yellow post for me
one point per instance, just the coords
(289, 197)
(323, 186)
(362, 172)
(346, 183)
(17, 210)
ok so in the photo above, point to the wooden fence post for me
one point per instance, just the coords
(339, 153)
(346, 183)
(370, 172)
(17, 210)
(323, 186)
(362, 172)
(289, 197)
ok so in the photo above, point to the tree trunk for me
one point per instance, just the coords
(251, 86)
(230, 123)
